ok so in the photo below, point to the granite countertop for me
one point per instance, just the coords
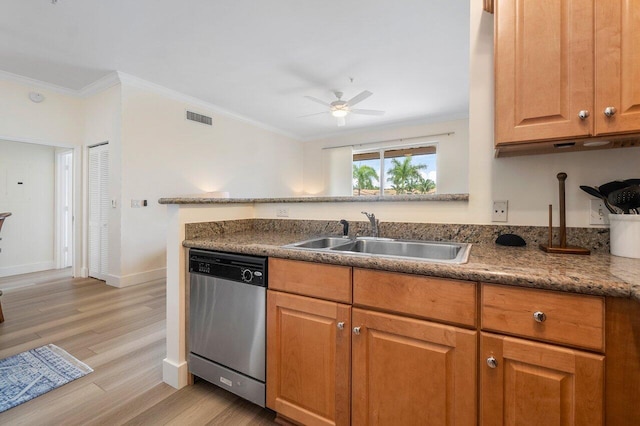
(597, 274)
(314, 199)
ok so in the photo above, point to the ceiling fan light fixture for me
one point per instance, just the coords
(339, 112)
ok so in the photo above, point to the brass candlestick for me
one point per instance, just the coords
(563, 248)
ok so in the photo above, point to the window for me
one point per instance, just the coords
(397, 171)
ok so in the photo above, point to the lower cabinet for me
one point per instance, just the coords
(529, 383)
(308, 359)
(401, 370)
(411, 372)
(404, 351)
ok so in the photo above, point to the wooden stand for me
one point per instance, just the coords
(563, 248)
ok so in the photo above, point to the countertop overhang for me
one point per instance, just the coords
(597, 274)
(314, 199)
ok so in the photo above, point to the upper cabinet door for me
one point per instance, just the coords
(544, 69)
(617, 105)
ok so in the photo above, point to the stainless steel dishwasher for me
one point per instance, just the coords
(227, 321)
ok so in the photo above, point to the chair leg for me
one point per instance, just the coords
(1, 315)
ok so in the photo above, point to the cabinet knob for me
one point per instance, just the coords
(610, 111)
(583, 114)
(492, 362)
(539, 316)
(341, 325)
(356, 330)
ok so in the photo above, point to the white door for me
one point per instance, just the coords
(98, 211)
(64, 208)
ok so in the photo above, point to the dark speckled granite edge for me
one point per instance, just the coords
(313, 199)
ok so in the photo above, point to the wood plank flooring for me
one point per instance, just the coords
(120, 333)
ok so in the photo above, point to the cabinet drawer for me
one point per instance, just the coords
(570, 319)
(433, 298)
(331, 282)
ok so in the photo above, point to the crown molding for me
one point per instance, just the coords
(37, 84)
(140, 83)
(99, 85)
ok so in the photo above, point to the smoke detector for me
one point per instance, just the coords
(36, 97)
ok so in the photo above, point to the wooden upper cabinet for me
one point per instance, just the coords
(531, 383)
(543, 69)
(411, 372)
(308, 359)
(617, 66)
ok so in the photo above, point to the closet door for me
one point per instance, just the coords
(98, 211)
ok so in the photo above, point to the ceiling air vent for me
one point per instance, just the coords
(199, 118)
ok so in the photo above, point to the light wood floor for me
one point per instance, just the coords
(120, 333)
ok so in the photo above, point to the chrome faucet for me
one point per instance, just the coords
(374, 223)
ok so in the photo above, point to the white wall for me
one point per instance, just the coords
(452, 153)
(28, 234)
(55, 121)
(165, 155)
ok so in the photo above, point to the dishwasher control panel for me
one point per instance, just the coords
(241, 268)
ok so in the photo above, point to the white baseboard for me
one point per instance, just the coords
(121, 281)
(173, 374)
(7, 271)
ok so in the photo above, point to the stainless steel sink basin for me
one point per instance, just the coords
(319, 243)
(433, 251)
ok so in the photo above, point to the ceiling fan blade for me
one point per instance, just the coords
(341, 121)
(359, 98)
(367, 111)
(315, 113)
(321, 102)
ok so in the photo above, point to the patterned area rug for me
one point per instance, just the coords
(35, 372)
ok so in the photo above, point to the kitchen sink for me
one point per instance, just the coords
(432, 251)
(319, 243)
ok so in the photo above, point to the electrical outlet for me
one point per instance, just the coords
(500, 210)
(598, 213)
(282, 212)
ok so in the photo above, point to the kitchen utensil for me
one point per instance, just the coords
(609, 187)
(593, 191)
(626, 198)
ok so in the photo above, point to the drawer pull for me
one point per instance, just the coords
(492, 362)
(341, 325)
(356, 330)
(539, 316)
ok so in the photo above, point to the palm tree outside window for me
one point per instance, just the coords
(401, 171)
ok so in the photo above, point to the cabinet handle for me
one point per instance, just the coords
(492, 362)
(539, 316)
(583, 114)
(610, 111)
(356, 330)
(341, 325)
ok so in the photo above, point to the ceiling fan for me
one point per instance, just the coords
(340, 109)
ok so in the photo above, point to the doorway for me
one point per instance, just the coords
(37, 184)
(99, 202)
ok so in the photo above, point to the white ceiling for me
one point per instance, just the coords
(256, 58)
